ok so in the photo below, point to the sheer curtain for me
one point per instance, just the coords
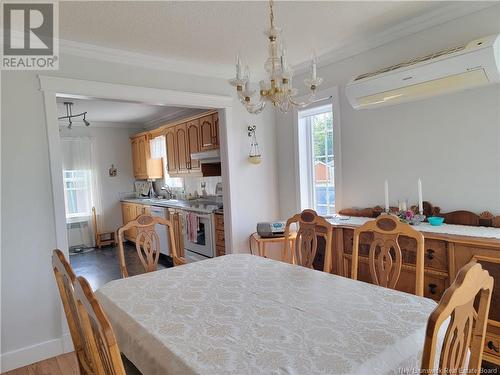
(81, 184)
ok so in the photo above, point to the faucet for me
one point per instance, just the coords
(168, 190)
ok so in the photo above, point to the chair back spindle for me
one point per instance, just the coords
(309, 226)
(466, 331)
(65, 279)
(97, 332)
(385, 256)
(147, 242)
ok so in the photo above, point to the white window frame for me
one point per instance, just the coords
(304, 171)
(88, 188)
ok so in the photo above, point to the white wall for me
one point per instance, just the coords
(452, 142)
(112, 145)
(30, 310)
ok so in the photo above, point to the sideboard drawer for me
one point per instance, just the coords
(436, 254)
(492, 345)
(435, 251)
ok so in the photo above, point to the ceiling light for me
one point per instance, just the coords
(70, 115)
(278, 88)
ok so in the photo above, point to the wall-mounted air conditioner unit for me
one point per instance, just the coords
(470, 65)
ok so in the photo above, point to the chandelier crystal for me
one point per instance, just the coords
(277, 88)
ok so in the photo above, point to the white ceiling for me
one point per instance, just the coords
(123, 114)
(212, 32)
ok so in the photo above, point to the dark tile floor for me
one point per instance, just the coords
(102, 266)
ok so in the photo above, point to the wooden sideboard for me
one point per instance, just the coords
(445, 254)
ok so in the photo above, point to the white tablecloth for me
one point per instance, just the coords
(445, 229)
(243, 314)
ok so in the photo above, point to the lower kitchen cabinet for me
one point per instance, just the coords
(176, 218)
(220, 246)
(130, 211)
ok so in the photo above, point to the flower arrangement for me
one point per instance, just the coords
(410, 216)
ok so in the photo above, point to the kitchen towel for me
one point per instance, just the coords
(193, 223)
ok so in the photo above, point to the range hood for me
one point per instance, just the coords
(212, 156)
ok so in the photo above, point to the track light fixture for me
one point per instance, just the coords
(70, 115)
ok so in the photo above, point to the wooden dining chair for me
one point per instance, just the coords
(65, 279)
(98, 335)
(385, 256)
(147, 242)
(466, 330)
(309, 226)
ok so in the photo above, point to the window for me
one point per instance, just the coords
(77, 192)
(158, 147)
(316, 136)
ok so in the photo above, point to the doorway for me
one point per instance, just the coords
(54, 87)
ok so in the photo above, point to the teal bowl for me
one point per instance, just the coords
(435, 220)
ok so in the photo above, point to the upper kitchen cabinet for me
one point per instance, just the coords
(193, 134)
(183, 157)
(143, 166)
(209, 132)
(172, 164)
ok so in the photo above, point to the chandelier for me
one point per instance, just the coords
(278, 88)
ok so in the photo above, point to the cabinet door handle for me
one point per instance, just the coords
(492, 346)
(430, 254)
(432, 288)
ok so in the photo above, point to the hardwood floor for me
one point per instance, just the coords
(65, 364)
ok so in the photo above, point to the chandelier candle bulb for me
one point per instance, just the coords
(420, 200)
(238, 67)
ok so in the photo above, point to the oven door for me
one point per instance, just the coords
(201, 240)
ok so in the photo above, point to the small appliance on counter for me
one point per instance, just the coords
(271, 229)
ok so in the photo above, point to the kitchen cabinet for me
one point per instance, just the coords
(183, 157)
(144, 166)
(193, 137)
(176, 218)
(130, 211)
(182, 139)
(220, 246)
(209, 132)
(172, 164)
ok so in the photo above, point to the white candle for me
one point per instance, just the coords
(313, 62)
(238, 66)
(420, 201)
(386, 188)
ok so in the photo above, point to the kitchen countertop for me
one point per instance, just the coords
(202, 205)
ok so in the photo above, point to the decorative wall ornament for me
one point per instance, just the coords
(112, 171)
(255, 156)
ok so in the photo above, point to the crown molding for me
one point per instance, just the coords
(350, 48)
(427, 20)
(143, 60)
(162, 119)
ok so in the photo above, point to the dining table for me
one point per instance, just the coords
(245, 314)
